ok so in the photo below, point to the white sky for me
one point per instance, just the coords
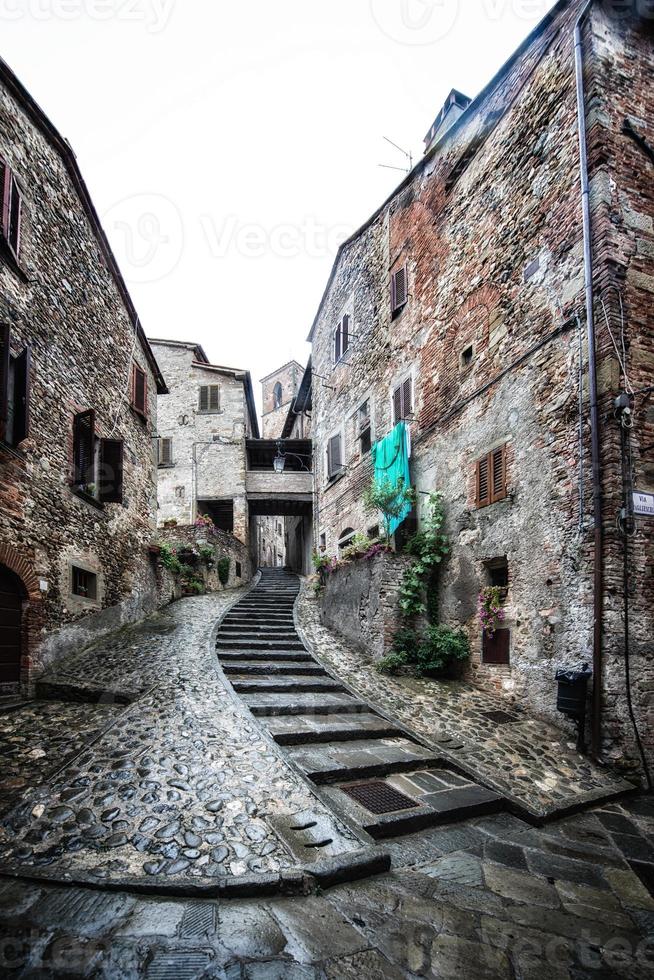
(230, 147)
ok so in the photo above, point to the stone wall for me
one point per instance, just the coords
(66, 302)
(224, 545)
(490, 230)
(208, 447)
(360, 602)
(289, 377)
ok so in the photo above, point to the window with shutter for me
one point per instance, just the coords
(491, 477)
(496, 649)
(11, 208)
(399, 289)
(345, 335)
(139, 391)
(21, 396)
(403, 401)
(5, 355)
(337, 344)
(365, 436)
(110, 471)
(84, 449)
(166, 451)
(209, 400)
(334, 456)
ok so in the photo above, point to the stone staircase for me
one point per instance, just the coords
(374, 773)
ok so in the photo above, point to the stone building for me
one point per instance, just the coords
(78, 409)
(460, 307)
(204, 423)
(278, 391)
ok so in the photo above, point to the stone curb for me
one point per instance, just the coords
(292, 882)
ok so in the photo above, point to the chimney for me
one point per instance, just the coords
(455, 105)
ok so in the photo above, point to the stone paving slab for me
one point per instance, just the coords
(528, 760)
(473, 911)
(183, 782)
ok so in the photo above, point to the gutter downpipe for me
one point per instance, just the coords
(596, 715)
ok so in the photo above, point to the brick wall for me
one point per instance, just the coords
(289, 377)
(490, 230)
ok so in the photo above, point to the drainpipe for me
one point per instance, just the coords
(596, 715)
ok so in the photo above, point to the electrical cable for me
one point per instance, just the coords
(625, 445)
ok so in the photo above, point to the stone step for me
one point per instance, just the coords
(290, 683)
(303, 703)
(362, 759)
(278, 645)
(313, 729)
(271, 669)
(453, 803)
(234, 656)
(258, 618)
(244, 626)
(252, 636)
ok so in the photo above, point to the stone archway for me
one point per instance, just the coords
(22, 599)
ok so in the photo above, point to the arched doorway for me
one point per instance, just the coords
(12, 594)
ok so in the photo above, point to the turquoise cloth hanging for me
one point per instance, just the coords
(390, 458)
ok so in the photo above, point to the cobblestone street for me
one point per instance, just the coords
(181, 785)
(530, 761)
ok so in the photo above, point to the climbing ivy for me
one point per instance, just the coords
(429, 546)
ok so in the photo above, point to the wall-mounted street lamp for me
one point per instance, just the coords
(279, 462)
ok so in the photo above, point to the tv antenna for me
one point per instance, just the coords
(409, 156)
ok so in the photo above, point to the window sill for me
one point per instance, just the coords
(11, 260)
(166, 466)
(88, 499)
(397, 312)
(212, 411)
(141, 416)
(335, 478)
(12, 450)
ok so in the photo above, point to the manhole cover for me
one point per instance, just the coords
(177, 965)
(379, 797)
(501, 717)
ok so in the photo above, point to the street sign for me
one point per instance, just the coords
(643, 504)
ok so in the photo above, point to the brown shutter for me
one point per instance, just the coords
(498, 471)
(399, 291)
(336, 454)
(337, 344)
(345, 335)
(22, 369)
(15, 209)
(139, 390)
(483, 482)
(166, 451)
(5, 198)
(5, 353)
(83, 447)
(214, 398)
(496, 648)
(407, 401)
(397, 405)
(110, 477)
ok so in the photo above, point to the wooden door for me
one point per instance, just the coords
(11, 603)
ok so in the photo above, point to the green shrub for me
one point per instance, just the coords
(223, 570)
(390, 498)
(441, 648)
(169, 559)
(207, 555)
(391, 664)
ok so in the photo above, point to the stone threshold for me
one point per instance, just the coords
(292, 882)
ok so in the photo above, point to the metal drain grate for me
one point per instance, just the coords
(379, 797)
(501, 717)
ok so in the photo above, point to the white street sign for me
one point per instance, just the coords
(643, 504)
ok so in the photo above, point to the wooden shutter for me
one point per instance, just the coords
(399, 289)
(214, 398)
(345, 334)
(83, 447)
(498, 474)
(110, 478)
(334, 455)
(496, 648)
(139, 390)
(5, 353)
(22, 368)
(204, 398)
(337, 343)
(166, 451)
(407, 400)
(483, 482)
(397, 405)
(15, 211)
(5, 198)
